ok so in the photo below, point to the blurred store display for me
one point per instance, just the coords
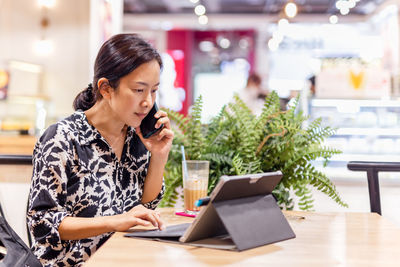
(4, 80)
(25, 79)
(352, 78)
(366, 129)
(24, 109)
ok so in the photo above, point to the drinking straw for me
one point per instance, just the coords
(185, 174)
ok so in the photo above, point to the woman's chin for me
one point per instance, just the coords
(134, 124)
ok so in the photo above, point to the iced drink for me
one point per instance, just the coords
(194, 189)
(195, 183)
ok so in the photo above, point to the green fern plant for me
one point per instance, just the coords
(238, 142)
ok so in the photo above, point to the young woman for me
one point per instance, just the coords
(94, 173)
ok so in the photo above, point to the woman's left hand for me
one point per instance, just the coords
(160, 143)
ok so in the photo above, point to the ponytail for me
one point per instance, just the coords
(85, 99)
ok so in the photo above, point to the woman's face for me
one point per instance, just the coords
(136, 93)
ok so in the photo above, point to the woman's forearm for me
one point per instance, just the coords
(74, 228)
(154, 179)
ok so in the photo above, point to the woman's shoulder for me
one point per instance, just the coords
(64, 129)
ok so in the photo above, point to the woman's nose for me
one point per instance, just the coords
(148, 101)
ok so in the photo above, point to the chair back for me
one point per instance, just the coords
(16, 252)
(372, 169)
(17, 160)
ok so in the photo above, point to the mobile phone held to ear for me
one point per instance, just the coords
(147, 127)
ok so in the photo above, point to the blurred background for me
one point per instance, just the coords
(341, 56)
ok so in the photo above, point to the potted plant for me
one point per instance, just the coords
(237, 142)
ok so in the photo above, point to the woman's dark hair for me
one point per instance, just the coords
(117, 57)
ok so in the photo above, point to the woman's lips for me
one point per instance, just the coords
(141, 115)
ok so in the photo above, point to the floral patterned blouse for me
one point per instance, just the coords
(76, 173)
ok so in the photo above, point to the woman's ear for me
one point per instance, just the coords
(104, 88)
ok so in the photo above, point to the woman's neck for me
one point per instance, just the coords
(104, 120)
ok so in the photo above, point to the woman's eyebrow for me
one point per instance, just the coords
(142, 83)
(146, 84)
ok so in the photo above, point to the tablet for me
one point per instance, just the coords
(207, 223)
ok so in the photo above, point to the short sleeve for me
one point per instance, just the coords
(47, 197)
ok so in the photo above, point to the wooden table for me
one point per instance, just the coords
(323, 239)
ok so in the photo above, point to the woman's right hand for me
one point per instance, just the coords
(138, 215)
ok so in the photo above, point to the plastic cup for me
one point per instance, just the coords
(195, 183)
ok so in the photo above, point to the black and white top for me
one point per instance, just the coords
(76, 173)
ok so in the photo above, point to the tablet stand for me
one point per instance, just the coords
(253, 221)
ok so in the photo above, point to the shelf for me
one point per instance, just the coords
(343, 175)
(345, 157)
(26, 99)
(368, 131)
(358, 102)
(17, 144)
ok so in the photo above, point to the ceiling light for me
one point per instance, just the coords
(333, 19)
(344, 11)
(244, 43)
(273, 44)
(283, 23)
(291, 10)
(351, 3)
(283, 26)
(224, 43)
(200, 10)
(47, 3)
(194, 1)
(340, 4)
(203, 20)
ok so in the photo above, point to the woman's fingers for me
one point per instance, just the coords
(162, 117)
(161, 113)
(142, 222)
(150, 216)
(160, 222)
(155, 219)
(165, 133)
(160, 121)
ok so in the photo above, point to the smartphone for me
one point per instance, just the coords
(147, 127)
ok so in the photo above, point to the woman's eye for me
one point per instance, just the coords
(138, 90)
(154, 90)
